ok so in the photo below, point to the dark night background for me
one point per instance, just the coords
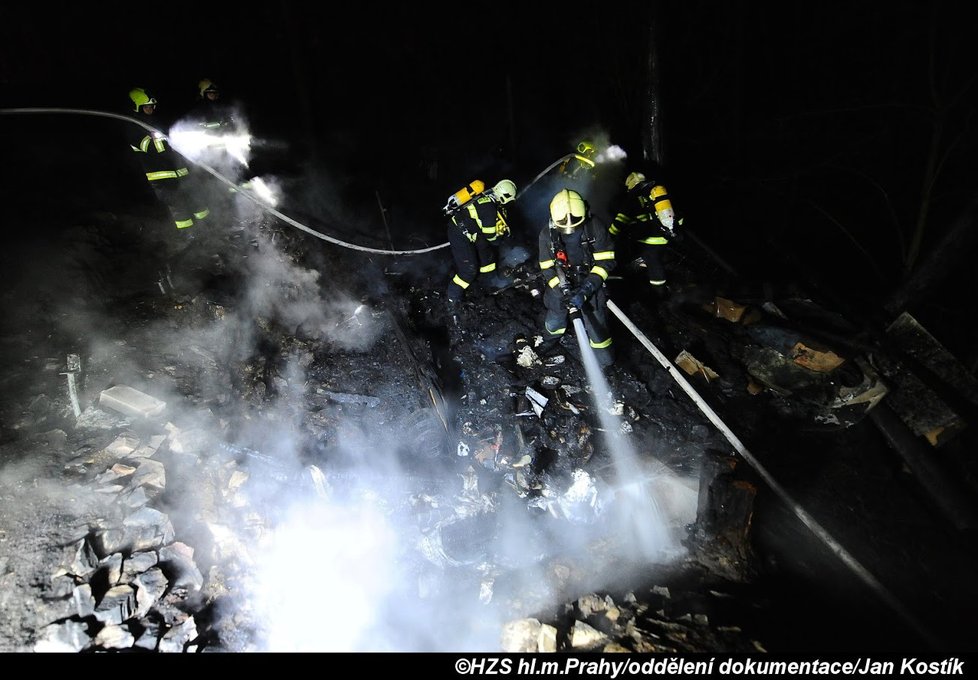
(803, 143)
(831, 146)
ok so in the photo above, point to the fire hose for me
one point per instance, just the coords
(582, 159)
(837, 549)
(255, 199)
(221, 178)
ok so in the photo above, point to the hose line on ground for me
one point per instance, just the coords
(254, 199)
(837, 549)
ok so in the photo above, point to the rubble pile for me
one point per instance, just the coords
(166, 454)
(662, 620)
(151, 571)
(121, 579)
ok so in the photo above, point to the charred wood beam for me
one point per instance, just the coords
(945, 490)
(425, 373)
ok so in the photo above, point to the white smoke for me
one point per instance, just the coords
(321, 575)
(226, 149)
(610, 154)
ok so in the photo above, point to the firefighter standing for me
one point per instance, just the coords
(211, 112)
(576, 257)
(168, 175)
(476, 220)
(226, 147)
(166, 171)
(643, 225)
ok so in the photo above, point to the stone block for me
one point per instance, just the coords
(131, 402)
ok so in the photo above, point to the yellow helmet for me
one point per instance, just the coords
(633, 180)
(505, 190)
(140, 98)
(586, 148)
(567, 211)
(206, 85)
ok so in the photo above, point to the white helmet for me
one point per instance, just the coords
(504, 190)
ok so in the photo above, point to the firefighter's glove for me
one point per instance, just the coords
(583, 292)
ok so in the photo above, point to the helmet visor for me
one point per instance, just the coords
(567, 223)
(505, 191)
(585, 148)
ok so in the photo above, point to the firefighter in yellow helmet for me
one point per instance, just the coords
(586, 148)
(477, 220)
(580, 164)
(167, 172)
(224, 144)
(211, 112)
(208, 90)
(644, 223)
(576, 257)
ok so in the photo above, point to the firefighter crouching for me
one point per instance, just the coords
(576, 257)
(644, 223)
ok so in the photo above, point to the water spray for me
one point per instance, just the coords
(636, 510)
(848, 559)
(257, 200)
(611, 154)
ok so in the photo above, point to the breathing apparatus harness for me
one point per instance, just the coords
(453, 209)
(575, 272)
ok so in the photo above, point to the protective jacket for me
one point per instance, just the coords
(576, 167)
(637, 217)
(167, 173)
(575, 266)
(482, 216)
(159, 161)
(473, 228)
(644, 223)
(213, 115)
(586, 255)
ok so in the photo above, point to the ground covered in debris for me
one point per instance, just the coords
(304, 449)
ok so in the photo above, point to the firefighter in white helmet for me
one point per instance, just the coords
(576, 257)
(477, 220)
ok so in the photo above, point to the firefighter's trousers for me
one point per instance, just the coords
(595, 317)
(471, 259)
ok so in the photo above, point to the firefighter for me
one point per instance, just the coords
(168, 175)
(225, 145)
(477, 219)
(576, 257)
(579, 165)
(166, 171)
(643, 224)
(211, 113)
